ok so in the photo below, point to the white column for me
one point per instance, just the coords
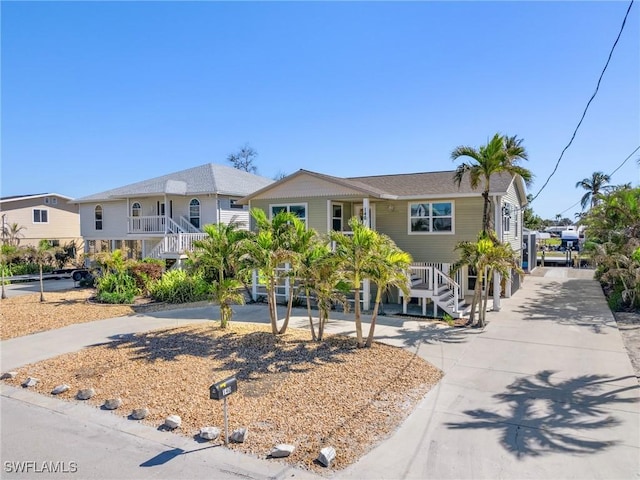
(366, 295)
(365, 213)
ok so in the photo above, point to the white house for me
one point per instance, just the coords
(162, 216)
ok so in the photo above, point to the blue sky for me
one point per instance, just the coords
(96, 95)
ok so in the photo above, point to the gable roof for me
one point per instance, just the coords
(403, 186)
(15, 198)
(207, 178)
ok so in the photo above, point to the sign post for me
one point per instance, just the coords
(220, 391)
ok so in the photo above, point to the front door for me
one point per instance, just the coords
(161, 214)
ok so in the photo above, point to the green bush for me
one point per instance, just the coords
(614, 299)
(29, 269)
(176, 286)
(145, 273)
(116, 288)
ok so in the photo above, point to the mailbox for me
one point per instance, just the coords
(223, 389)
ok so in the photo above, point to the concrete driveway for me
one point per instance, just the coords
(546, 390)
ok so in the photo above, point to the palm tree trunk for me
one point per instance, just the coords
(273, 308)
(374, 317)
(41, 285)
(483, 312)
(358, 320)
(323, 314)
(485, 211)
(313, 329)
(288, 315)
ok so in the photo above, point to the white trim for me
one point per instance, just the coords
(288, 208)
(453, 219)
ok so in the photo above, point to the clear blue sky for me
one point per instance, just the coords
(96, 95)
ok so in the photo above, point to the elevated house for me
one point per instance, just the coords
(162, 216)
(426, 214)
(42, 216)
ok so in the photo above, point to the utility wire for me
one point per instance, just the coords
(610, 175)
(584, 113)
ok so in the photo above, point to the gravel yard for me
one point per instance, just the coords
(290, 389)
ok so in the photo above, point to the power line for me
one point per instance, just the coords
(624, 161)
(610, 175)
(584, 113)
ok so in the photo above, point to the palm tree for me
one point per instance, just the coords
(12, 233)
(502, 259)
(321, 276)
(594, 187)
(44, 254)
(388, 269)
(500, 155)
(220, 253)
(267, 250)
(356, 251)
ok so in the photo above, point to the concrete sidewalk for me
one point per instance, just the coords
(546, 390)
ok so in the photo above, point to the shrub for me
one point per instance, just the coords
(146, 272)
(116, 288)
(176, 286)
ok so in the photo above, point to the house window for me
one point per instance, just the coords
(194, 212)
(54, 243)
(300, 210)
(98, 217)
(233, 203)
(506, 218)
(431, 217)
(336, 217)
(136, 209)
(40, 215)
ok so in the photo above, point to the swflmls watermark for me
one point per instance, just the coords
(32, 466)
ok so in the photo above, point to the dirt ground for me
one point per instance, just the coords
(629, 326)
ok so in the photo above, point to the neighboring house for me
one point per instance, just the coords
(44, 216)
(161, 217)
(426, 214)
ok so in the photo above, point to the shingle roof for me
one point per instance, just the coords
(431, 183)
(34, 195)
(207, 178)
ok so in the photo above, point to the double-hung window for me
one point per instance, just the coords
(430, 217)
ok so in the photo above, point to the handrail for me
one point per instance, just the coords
(187, 226)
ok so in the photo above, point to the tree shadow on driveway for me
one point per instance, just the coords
(553, 417)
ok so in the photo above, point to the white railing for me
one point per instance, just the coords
(147, 224)
(429, 281)
(177, 243)
(187, 226)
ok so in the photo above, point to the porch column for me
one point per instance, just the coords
(366, 221)
(496, 291)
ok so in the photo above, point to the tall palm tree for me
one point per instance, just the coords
(500, 155)
(594, 186)
(12, 234)
(356, 252)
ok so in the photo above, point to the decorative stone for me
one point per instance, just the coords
(60, 389)
(139, 413)
(209, 433)
(173, 421)
(327, 455)
(8, 375)
(112, 403)
(30, 382)
(85, 394)
(239, 435)
(282, 450)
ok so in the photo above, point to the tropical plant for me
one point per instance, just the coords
(500, 155)
(321, 277)
(12, 234)
(501, 259)
(594, 186)
(356, 252)
(43, 255)
(388, 269)
(267, 251)
(178, 286)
